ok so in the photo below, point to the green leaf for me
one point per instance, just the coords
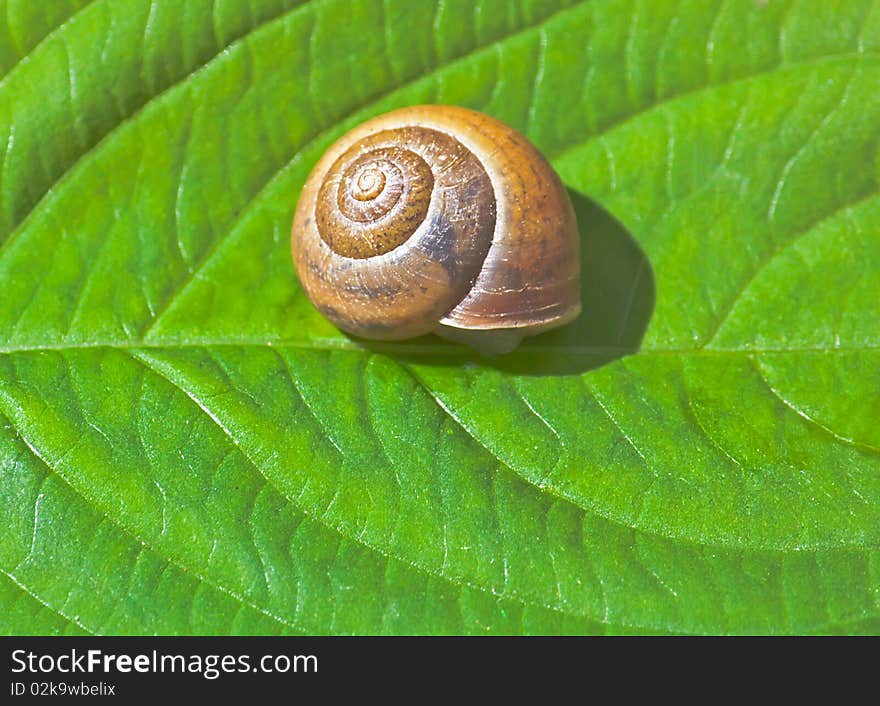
(187, 446)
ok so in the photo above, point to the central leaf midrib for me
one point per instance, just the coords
(430, 351)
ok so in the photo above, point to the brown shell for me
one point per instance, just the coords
(437, 218)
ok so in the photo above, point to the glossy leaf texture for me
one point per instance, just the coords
(186, 446)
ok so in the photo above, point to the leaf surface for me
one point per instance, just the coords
(186, 446)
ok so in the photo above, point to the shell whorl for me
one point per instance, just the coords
(372, 201)
(432, 218)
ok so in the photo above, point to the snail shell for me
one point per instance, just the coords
(438, 219)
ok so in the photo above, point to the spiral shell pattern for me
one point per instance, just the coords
(431, 217)
(405, 218)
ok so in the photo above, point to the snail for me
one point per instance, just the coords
(438, 219)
